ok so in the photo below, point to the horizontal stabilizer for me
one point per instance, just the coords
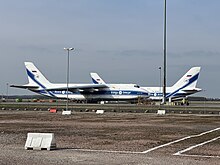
(24, 86)
(192, 90)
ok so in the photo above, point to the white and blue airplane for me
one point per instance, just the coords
(184, 87)
(95, 92)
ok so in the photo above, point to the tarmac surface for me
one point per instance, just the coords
(87, 138)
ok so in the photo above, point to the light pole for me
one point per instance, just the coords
(67, 77)
(164, 52)
(7, 92)
(160, 78)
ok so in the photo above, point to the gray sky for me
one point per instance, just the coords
(122, 40)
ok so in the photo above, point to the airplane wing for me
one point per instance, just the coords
(80, 88)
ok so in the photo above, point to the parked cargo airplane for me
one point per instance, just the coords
(39, 84)
(182, 88)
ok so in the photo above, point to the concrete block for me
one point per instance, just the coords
(161, 112)
(99, 111)
(66, 113)
(39, 141)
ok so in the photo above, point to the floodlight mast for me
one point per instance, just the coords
(164, 53)
(67, 77)
(160, 78)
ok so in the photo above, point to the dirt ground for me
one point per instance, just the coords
(109, 138)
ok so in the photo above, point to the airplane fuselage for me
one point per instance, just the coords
(156, 93)
(185, 86)
(112, 92)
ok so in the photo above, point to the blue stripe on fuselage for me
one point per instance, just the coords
(109, 92)
(161, 94)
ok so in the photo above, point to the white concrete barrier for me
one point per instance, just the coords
(99, 111)
(39, 141)
(161, 112)
(66, 113)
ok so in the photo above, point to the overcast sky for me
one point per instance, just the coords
(122, 40)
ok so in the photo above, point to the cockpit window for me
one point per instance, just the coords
(136, 86)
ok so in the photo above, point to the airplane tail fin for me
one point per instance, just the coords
(189, 80)
(35, 77)
(96, 79)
